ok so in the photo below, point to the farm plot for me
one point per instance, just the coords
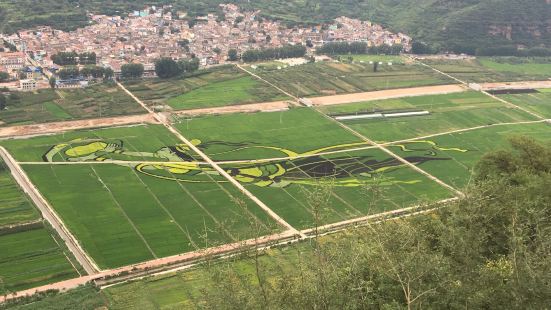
(332, 188)
(15, 208)
(467, 148)
(447, 112)
(129, 212)
(538, 102)
(132, 143)
(317, 79)
(48, 105)
(495, 69)
(214, 87)
(267, 135)
(317, 158)
(31, 258)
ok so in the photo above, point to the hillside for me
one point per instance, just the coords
(458, 25)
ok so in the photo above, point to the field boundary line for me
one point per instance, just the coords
(391, 143)
(163, 120)
(480, 90)
(124, 213)
(48, 213)
(389, 152)
(270, 83)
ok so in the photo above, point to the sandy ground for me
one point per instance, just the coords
(516, 85)
(387, 94)
(29, 130)
(244, 108)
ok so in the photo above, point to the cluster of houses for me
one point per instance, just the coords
(144, 36)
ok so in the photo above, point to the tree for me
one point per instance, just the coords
(132, 71)
(52, 82)
(375, 66)
(232, 55)
(167, 68)
(3, 102)
(108, 74)
(4, 77)
(217, 50)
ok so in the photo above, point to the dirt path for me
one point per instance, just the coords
(242, 108)
(163, 120)
(387, 94)
(48, 213)
(57, 127)
(516, 85)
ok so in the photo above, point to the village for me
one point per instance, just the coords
(147, 35)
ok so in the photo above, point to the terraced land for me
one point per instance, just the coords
(129, 213)
(538, 102)
(213, 87)
(329, 78)
(495, 69)
(447, 112)
(99, 100)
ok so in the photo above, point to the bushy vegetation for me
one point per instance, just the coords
(358, 48)
(289, 51)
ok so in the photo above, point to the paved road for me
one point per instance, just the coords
(48, 214)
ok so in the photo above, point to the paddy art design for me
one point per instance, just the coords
(176, 163)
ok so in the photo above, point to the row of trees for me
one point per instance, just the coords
(74, 58)
(343, 48)
(96, 72)
(289, 51)
(168, 67)
(489, 250)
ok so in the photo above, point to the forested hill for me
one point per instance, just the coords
(459, 25)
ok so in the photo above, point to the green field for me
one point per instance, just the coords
(221, 86)
(31, 258)
(495, 69)
(287, 185)
(379, 58)
(448, 112)
(266, 135)
(471, 145)
(539, 103)
(15, 208)
(128, 213)
(327, 78)
(41, 106)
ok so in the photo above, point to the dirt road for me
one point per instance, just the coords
(516, 85)
(242, 108)
(47, 212)
(387, 94)
(46, 128)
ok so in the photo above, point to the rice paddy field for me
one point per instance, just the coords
(31, 258)
(495, 69)
(447, 112)
(538, 102)
(336, 159)
(15, 208)
(41, 106)
(465, 149)
(129, 213)
(329, 78)
(221, 86)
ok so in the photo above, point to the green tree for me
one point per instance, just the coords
(232, 55)
(4, 77)
(3, 102)
(52, 81)
(167, 68)
(132, 71)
